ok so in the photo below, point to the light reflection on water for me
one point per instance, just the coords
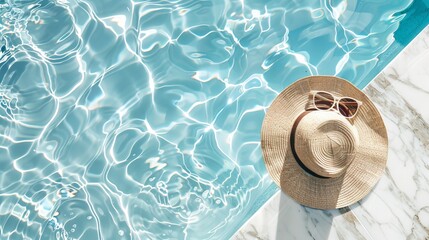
(141, 119)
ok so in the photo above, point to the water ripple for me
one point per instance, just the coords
(141, 119)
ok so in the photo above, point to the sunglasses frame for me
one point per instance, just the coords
(335, 105)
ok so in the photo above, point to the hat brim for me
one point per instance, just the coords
(323, 193)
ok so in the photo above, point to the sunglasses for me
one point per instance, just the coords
(346, 106)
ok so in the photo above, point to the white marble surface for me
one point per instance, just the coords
(398, 206)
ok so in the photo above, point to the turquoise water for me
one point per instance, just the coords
(141, 119)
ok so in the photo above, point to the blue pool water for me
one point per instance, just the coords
(141, 119)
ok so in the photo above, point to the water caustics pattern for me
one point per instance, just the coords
(141, 119)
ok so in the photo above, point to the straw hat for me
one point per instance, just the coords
(320, 158)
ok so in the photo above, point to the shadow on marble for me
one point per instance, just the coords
(283, 218)
(298, 221)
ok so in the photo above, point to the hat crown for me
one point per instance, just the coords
(326, 143)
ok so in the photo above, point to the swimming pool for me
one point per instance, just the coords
(141, 119)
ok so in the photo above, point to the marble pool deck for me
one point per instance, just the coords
(398, 206)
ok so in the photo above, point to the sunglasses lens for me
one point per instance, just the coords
(323, 100)
(348, 107)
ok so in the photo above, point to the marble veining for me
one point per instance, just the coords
(398, 206)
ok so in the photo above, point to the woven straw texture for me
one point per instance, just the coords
(350, 154)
